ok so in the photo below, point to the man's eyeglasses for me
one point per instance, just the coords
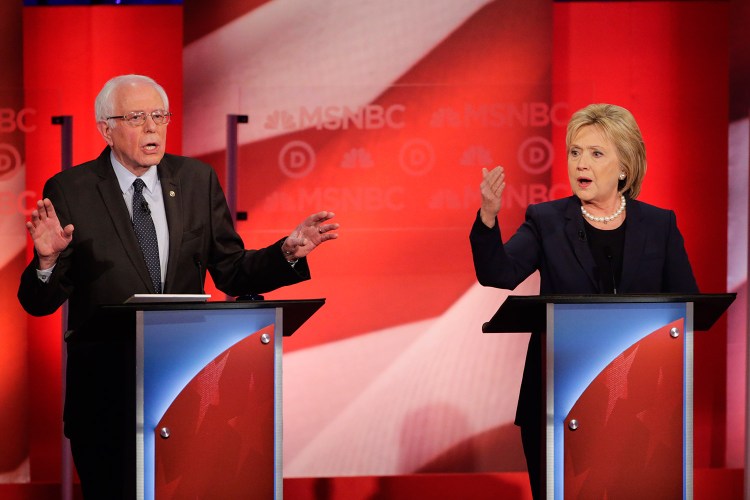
(138, 118)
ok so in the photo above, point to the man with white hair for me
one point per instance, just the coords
(137, 220)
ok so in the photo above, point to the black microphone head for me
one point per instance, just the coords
(582, 235)
(144, 206)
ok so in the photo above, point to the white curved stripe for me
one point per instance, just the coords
(391, 401)
(12, 221)
(739, 158)
(293, 54)
(737, 239)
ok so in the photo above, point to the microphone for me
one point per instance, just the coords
(608, 254)
(144, 207)
(199, 265)
(582, 235)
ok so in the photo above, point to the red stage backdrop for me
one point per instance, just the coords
(385, 112)
(387, 119)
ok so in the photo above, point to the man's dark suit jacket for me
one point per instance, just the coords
(104, 264)
(553, 241)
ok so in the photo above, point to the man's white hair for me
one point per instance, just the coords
(104, 106)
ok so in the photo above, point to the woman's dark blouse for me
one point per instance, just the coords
(606, 247)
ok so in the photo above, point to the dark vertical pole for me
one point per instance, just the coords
(66, 161)
(66, 140)
(231, 169)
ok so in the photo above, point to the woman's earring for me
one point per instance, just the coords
(622, 176)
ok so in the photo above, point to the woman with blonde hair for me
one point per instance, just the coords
(599, 240)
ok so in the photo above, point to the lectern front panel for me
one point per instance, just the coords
(617, 403)
(202, 374)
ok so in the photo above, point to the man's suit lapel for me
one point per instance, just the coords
(170, 187)
(111, 195)
(635, 241)
(576, 234)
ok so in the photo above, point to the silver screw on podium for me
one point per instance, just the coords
(674, 333)
(164, 432)
(265, 338)
(573, 425)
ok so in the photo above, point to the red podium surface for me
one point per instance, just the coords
(619, 394)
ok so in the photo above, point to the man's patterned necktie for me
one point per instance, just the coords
(146, 234)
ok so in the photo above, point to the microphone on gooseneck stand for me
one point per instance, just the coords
(199, 265)
(608, 254)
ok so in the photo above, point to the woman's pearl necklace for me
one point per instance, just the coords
(605, 219)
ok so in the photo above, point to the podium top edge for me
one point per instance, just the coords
(295, 313)
(527, 313)
(623, 298)
(229, 304)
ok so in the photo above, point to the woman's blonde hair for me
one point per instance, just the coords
(618, 125)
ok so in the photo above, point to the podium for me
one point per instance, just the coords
(202, 384)
(618, 372)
